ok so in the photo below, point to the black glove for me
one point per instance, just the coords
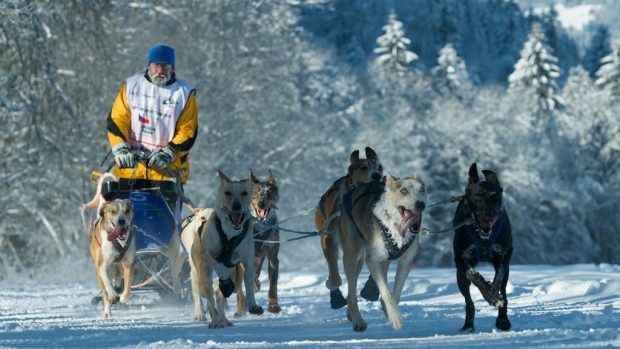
(123, 156)
(161, 158)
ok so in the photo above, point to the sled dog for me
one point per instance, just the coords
(328, 211)
(217, 240)
(380, 223)
(112, 246)
(263, 209)
(488, 238)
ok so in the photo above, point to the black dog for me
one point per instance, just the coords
(483, 234)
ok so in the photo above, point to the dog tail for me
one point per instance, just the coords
(95, 203)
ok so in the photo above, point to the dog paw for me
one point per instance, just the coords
(467, 329)
(256, 310)
(336, 299)
(503, 323)
(239, 313)
(124, 298)
(370, 291)
(227, 287)
(114, 299)
(273, 308)
(396, 321)
(360, 326)
(199, 316)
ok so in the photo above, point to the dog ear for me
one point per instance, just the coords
(272, 179)
(490, 176)
(355, 156)
(223, 178)
(253, 179)
(102, 209)
(370, 154)
(473, 174)
(389, 180)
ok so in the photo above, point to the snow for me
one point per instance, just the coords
(577, 17)
(573, 306)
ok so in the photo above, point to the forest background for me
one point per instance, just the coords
(295, 86)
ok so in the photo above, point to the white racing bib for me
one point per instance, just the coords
(155, 111)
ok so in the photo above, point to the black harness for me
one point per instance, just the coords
(390, 245)
(228, 246)
(475, 238)
(120, 248)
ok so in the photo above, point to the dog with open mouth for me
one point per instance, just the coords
(218, 240)
(263, 209)
(380, 224)
(112, 246)
(483, 234)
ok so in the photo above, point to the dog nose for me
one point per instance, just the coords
(261, 204)
(121, 221)
(420, 205)
(375, 176)
(236, 206)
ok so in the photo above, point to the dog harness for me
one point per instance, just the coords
(393, 251)
(120, 248)
(228, 246)
(498, 228)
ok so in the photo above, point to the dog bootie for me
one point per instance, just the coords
(370, 291)
(227, 287)
(336, 300)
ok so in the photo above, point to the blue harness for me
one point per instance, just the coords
(497, 231)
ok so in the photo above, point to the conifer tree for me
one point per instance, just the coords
(536, 73)
(608, 75)
(450, 74)
(392, 50)
(600, 46)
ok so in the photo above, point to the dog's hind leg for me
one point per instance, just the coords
(353, 264)
(258, 266)
(463, 284)
(241, 308)
(273, 270)
(502, 271)
(333, 282)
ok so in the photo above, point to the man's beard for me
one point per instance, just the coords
(157, 79)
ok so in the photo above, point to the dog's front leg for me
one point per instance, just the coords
(104, 270)
(393, 312)
(239, 271)
(222, 291)
(502, 271)
(248, 278)
(273, 271)
(128, 268)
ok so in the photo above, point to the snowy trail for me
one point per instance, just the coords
(569, 306)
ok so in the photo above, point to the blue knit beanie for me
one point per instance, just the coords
(161, 54)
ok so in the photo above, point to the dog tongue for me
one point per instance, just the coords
(488, 222)
(116, 232)
(408, 219)
(262, 214)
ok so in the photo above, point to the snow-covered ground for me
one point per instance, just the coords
(573, 306)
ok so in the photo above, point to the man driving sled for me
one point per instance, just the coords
(154, 118)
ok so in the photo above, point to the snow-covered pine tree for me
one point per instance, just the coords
(392, 50)
(600, 46)
(536, 73)
(608, 75)
(450, 74)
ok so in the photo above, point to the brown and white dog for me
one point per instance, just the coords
(217, 240)
(380, 224)
(328, 212)
(263, 208)
(112, 246)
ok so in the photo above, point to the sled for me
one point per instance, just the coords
(155, 224)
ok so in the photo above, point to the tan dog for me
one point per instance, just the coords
(328, 211)
(217, 240)
(263, 208)
(380, 224)
(112, 245)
